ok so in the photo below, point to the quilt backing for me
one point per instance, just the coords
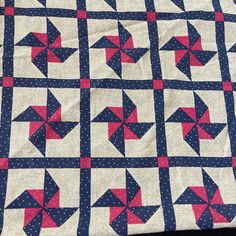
(117, 116)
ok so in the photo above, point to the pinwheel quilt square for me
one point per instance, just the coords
(43, 204)
(45, 46)
(117, 117)
(125, 49)
(200, 124)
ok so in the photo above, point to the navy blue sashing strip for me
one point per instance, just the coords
(226, 77)
(85, 149)
(119, 84)
(6, 108)
(140, 16)
(114, 162)
(166, 199)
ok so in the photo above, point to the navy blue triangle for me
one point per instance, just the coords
(111, 3)
(135, 53)
(63, 53)
(189, 197)
(29, 115)
(60, 215)
(104, 43)
(117, 139)
(50, 188)
(179, 3)
(108, 199)
(115, 63)
(43, 2)
(62, 128)
(184, 65)
(52, 32)
(39, 139)
(144, 212)
(31, 41)
(52, 104)
(25, 200)
(34, 226)
(200, 106)
(107, 116)
(193, 140)
(40, 61)
(209, 185)
(128, 106)
(132, 187)
(139, 129)
(173, 44)
(206, 220)
(180, 116)
(119, 225)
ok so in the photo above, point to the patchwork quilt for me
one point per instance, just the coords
(117, 116)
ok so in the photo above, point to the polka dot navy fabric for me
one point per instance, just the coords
(117, 117)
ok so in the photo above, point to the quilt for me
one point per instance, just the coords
(117, 116)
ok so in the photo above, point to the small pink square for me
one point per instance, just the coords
(158, 84)
(82, 14)
(85, 83)
(163, 162)
(9, 11)
(151, 16)
(4, 163)
(234, 162)
(85, 162)
(227, 86)
(7, 82)
(219, 16)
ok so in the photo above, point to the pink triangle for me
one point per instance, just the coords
(115, 212)
(38, 195)
(133, 219)
(194, 61)
(42, 37)
(54, 201)
(129, 44)
(202, 134)
(52, 57)
(190, 111)
(118, 111)
(56, 43)
(114, 39)
(29, 214)
(183, 40)
(179, 54)
(205, 117)
(113, 127)
(217, 199)
(51, 133)
(198, 209)
(41, 110)
(137, 200)
(133, 117)
(201, 192)
(34, 126)
(126, 58)
(47, 221)
(110, 52)
(186, 128)
(128, 134)
(120, 194)
(217, 217)
(198, 45)
(35, 51)
(56, 116)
